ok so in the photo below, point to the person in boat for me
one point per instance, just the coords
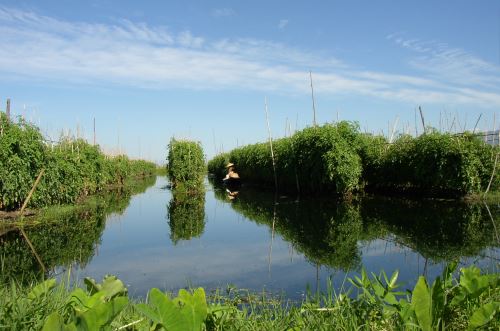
(231, 173)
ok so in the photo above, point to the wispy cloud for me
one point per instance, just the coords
(223, 12)
(136, 54)
(282, 24)
(453, 65)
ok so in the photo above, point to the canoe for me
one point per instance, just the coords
(232, 182)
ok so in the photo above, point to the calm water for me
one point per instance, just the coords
(150, 238)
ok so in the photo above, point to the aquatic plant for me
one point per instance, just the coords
(373, 302)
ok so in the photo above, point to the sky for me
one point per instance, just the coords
(147, 71)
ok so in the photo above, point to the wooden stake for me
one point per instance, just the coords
(8, 110)
(33, 250)
(477, 122)
(492, 175)
(312, 95)
(31, 192)
(422, 118)
(271, 145)
(393, 130)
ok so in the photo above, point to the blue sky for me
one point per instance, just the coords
(151, 70)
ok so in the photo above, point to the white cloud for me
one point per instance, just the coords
(222, 12)
(37, 47)
(282, 24)
(450, 64)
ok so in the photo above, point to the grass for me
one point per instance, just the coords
(370, 303)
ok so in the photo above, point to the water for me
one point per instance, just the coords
(155, 239)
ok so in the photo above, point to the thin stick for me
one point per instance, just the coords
(492, 175)
(271, 145)
(272, 240)
(492, 221)
(393, 130)
(312, 94)
(8, 110)
(31, 192)
(33, 250)
(130, 324)
(477, 122)
(422, 117)
(416, 128)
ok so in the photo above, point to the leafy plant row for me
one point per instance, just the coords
(73, 168)
(186, 165)
(339, 158)
(470, 302)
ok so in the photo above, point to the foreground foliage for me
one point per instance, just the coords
(472, 301)
(73, 167)
(338, 158)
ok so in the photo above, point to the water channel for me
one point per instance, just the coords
(149, 238)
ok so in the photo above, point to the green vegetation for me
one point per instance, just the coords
(73, 168)
(332, 234)
(338, 158)
(61, 235)
(186, 165)
(375, 302)
(186, 215)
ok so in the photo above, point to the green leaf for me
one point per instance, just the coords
(55, 322)
(41, 289)
(484, 315)
(110, 285)
(394, 279)
(194, 308)
(106, 312)
(422, 304)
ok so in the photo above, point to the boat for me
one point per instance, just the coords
(232, 182)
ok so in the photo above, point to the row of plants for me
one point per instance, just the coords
(72, 168)
(333, 234)
(186, 165)
(373, 302)
(61, 235)
(339, 158)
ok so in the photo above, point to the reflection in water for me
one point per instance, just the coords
(69, 237)
(250, 241)
(438, 230)
(186, 215)
(332, 233)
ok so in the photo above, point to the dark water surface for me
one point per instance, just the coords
(154, 239)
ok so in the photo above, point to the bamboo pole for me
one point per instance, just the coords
(21, 214)
(492, 221)
(492, 175)
(271, 145)
(8, 110)
(393, 130)
(477, 122)
(33, 250)
(312, 95)
(422, 118)
(31, 192)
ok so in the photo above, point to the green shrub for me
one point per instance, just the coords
(186, 164)
(22, 156)
(437, 163)
(73, 168)
(338, 158)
